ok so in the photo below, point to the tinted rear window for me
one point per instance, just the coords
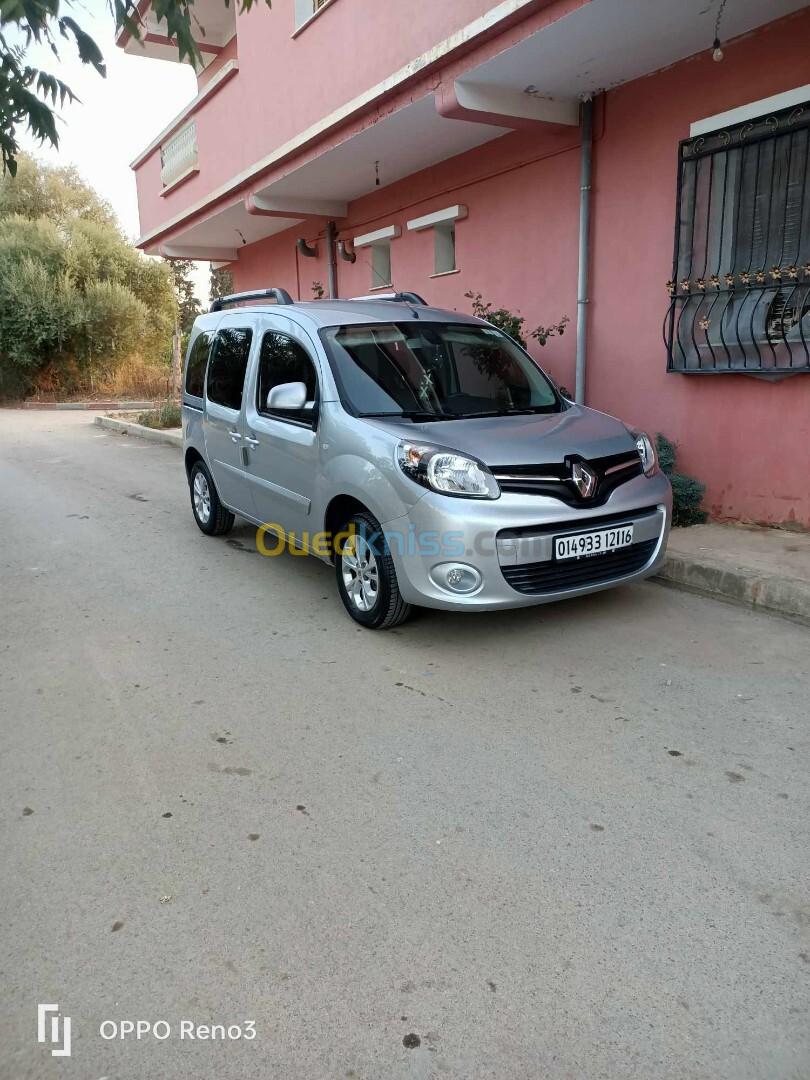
(196, 363)
(226, 371)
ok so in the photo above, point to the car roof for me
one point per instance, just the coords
(342, 313)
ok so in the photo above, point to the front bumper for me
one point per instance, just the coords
(514, 534)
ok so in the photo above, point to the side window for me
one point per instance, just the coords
(196, 364)
(226, 371)
(380, 264)
(283, 360)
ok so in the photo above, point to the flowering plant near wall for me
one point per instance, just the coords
(512, 323)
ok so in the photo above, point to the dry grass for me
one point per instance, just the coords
(134, 379)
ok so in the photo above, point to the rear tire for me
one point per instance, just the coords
(211, 516)
(366, 576)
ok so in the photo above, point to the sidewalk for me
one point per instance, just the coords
(768, 569)
(169, 436)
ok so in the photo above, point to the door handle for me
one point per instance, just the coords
(251, 441)
(235, 436)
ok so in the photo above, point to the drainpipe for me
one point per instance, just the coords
(331, 259)
(584, 247)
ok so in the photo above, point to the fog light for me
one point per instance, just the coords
(457, 577)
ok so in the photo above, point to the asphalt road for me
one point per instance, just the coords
(564, 842)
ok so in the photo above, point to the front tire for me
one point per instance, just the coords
(366, 576)
(211, 516)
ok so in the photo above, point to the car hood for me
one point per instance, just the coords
(539, 439)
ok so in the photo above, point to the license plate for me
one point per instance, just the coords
(580, 545)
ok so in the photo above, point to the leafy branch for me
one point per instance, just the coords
(514, 324)
(29, 96)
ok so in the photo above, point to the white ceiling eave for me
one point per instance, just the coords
(606, 43)
(540, 79)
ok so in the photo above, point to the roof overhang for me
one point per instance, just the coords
(600, 44)
(574, 49)
(404, 142)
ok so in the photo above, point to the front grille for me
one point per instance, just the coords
(552, 576)
(555, 480)
(560, 528)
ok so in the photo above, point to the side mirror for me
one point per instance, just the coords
(288, 395)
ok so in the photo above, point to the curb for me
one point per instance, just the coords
(788, 597)
(125, 427)
(91, 405)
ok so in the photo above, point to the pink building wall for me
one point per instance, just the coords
(281, 88)
(747, 439)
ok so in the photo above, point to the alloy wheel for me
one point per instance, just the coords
(202, 498)
(361, 576)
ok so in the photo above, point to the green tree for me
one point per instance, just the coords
(188, 306)
(75, 297)
(57, 193)
(220, 282)
(29, 95)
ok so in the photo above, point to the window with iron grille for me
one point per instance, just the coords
(740, 289)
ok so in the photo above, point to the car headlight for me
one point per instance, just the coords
(447, 471)
(646, 451)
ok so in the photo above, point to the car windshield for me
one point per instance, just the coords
(436, 371)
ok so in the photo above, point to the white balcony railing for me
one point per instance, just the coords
(306, 9)
(178, 155)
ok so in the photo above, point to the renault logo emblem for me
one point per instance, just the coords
(585, 479)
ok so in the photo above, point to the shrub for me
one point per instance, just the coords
(502, 318)
(76, 299)
(167, 415)
(687, 493)
(513, 324)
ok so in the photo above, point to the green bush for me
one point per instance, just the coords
(502, 318)
(167, 415)
(512, 323)
(687, 493)
(76, 298)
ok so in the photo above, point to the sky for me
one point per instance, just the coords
(116, 117)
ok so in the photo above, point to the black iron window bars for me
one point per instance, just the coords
(740, 288)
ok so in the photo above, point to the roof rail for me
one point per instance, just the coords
(395, 297)
(281, 296)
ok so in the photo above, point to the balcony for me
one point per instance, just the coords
(178, 156)
(215, 26)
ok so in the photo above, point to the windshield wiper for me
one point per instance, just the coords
(530, 410)
(423, 414)
(410, 414)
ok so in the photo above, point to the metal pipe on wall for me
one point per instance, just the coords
(584, 248)
(331, 255)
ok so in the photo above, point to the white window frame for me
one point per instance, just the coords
(754, 110)
(380, 243)
(443, 223)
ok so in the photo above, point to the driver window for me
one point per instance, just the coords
(283, 360)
